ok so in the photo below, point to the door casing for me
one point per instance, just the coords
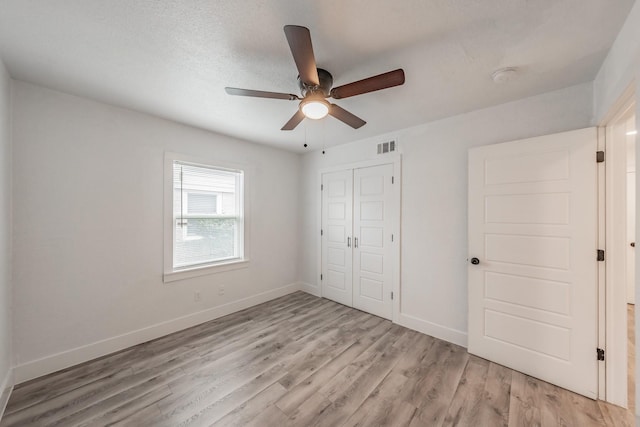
(612, 323)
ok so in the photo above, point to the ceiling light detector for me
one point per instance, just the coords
(314, 108)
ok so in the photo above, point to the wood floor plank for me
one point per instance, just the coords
(540, 402)
(61, 382)
(413, 359)
(193, 401)
(347, 396)
(434, 384)
(305, 389)
(127, 391)
(525, 402)
(578, 409)
(204, 412)
(616, 416)
(308, 410)
(63, 405)
(321, 350)
(338, 385)
(297, 361)
(467, 402)
(249, 411)
(381, 406)
(136, 418)
(119, 413)
(206, 387)
(271, 416)
(496, 398)
(42, 389)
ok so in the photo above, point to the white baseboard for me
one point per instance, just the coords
(310, 289)
(56, 362)
(5, 390)
(433, 329)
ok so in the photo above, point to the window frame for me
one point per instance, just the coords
(171, 274)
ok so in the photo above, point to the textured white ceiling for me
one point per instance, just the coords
(173, 58)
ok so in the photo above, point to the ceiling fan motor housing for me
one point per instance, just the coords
(326, 82)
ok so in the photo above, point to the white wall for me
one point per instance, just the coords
(88, 230)
(434, 199)
(621, 69)
(6, 380)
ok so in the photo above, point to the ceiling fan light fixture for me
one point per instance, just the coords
(315, 109)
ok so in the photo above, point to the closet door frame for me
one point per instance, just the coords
(396, 161)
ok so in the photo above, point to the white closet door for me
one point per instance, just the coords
(533, 239)
(337, 263)
(372, 248)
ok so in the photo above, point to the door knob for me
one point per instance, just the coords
(475, 261)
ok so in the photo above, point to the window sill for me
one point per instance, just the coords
(174, 276)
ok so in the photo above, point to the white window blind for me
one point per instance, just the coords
(207, 215)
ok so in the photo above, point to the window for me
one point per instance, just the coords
(207, 217)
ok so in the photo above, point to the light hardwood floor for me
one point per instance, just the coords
(299, 361)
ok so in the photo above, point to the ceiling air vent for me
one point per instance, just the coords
(387, 146)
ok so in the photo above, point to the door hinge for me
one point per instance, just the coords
(321, 187)
(600, 255)
(600, 353)
(392, 237)
(320, 276)
(321, 232)
(391, 294)
(599, 156)
(392, 180)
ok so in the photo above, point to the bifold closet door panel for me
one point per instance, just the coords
(372, 235)
(337, 231)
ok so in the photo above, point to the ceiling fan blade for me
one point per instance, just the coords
(346, 117)
(299, 39)
(260, 93)
(293, 121)
(371, 84)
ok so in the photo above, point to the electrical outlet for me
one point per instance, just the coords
(221, 290)
(197, 297)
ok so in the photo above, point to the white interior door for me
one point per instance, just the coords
(372, 248)
(337, 223)
(631, 237)
(533, 229)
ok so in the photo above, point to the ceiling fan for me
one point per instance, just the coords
(315, 85)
